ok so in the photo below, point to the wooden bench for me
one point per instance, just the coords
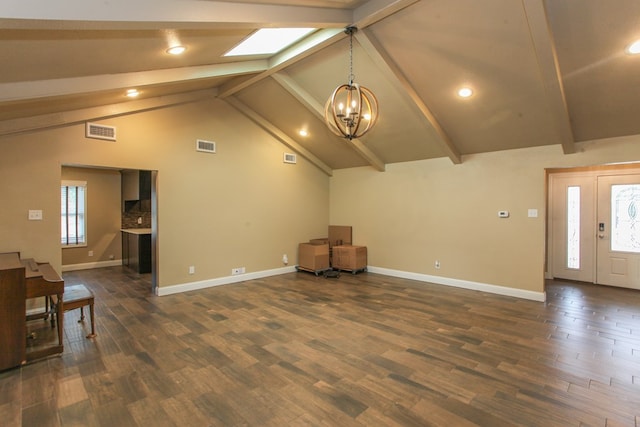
(78, 296)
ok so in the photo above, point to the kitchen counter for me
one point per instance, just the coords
(136, 249)
(136, 230)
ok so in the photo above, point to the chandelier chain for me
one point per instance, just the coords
(351, 76)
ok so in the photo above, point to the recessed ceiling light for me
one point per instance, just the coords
(132, 93)
(465, 92)
(633, 48)
(268, 41)
(176, 50)
(303, 132)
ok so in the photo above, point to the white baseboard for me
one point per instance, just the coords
(465, 284)
(192, 286)
(90, 265)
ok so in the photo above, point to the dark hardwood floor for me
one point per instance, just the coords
(360, 350)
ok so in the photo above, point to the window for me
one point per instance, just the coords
(73, 208)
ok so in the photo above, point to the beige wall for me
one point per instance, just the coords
(103, 216)
(416, 213)
(241, 207)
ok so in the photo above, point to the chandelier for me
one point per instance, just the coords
(351, 110)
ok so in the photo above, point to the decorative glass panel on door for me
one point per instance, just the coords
(625, 218)
(573, 227)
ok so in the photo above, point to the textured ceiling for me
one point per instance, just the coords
(543, 72)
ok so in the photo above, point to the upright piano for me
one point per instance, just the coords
(21, 279)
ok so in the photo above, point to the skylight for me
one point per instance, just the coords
(268, 41)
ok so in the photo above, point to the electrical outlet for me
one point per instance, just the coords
(192, 269)
(90, 253)
(437, 264)
(236, 271)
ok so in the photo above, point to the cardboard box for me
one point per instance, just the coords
(339, 235)
(313, 257)
(320, 241)
(348, 257)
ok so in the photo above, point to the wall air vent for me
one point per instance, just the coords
(205, 146)
(94, 130)
(289, 158)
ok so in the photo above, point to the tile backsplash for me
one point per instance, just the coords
(130, 219)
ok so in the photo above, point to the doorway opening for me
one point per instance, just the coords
(593, 226)
(108, 212)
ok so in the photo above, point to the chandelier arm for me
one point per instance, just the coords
(354, 133)
(373, 106)
(364, 101)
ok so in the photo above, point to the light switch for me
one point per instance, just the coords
(503, 214)
(533, 213)
(35, 215)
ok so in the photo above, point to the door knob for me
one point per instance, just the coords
(601, 236)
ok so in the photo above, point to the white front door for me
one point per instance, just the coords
(618, 231)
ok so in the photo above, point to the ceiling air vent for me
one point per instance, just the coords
(205, 146)
(94, 130)
(290, 158)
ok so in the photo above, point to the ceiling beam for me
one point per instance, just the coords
(311, 104)
(547, 58)
(15, 91)
(55, 120)
(140, 14)
(278, 134)
(376, 10)
(384, 62)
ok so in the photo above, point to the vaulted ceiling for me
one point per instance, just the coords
(551, 72)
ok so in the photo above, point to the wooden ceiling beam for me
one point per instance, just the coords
(373, 11)
(68, 118)
(311, 104)
(547, 58)
(15, 91)
(143, 14)
(384, 62)
(278, 134)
